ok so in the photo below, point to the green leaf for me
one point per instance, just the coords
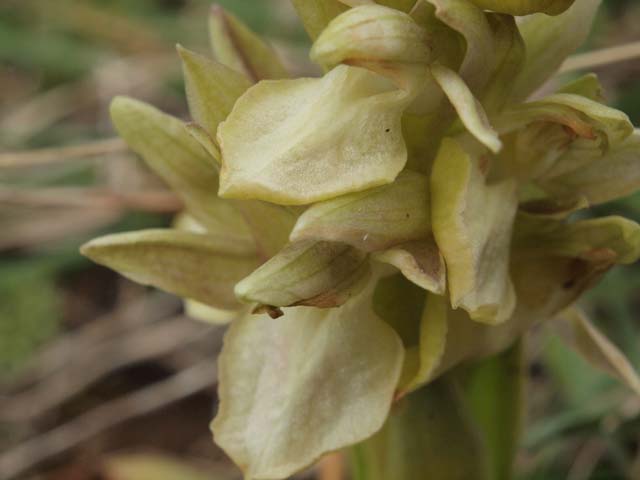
(495, 389)
(308, 383)
(355, 38)
(420, 261)
(470, 111)
(525, 7)
(240, 49)
(428, 435)
(170, 151)
(301, 141)
(549, 41)
(372, 220)
(472, 224)
(599, 351)
(316, 14)
(318, 274)
(201, 267)
(212, 89)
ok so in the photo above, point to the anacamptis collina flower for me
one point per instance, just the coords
(367, 231)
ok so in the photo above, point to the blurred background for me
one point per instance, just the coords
(104, 379)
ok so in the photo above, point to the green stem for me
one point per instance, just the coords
(428, 436)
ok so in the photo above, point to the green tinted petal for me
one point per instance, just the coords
(404, 5)
(420, 262)
(469, 109)
(212, 89)
(472, 224)
(207, 314)
(510, 54)
(305, 384)
(432, 342)
(546, 283)
(588, 86)
(170, 151)
(206, 141)
(271, 224)
(429, 435)
(525, 7)
(549, 41)
(584, 117)
(599, 351)
(306, 140)
(316, 14)
(472, 23)
(319, 274)
(614, 237)
(201, 267)
(240, 49)
(381, 39)
(372, 220)
(586, 172)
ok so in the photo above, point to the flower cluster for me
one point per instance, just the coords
(369, 230)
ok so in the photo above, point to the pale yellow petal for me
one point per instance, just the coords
(549, 41)
(469, 109)
(311, 382)
(170, 151)
(472, 223)
(305, 140)
(205, 313)
(239, 48)
(473, 24)
(420, 262)
(318, 274)
(614, 237)
(433, 341)
(586, 172)
(372, 220)
(212, 89)
(525, 7)
(201, 267)
(316, 14)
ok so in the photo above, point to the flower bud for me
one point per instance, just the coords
(375, 37)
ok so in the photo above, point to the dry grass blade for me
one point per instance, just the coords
(46, 156)
(89, 366)
(91, 198)
(28, 455)
(599, 58)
